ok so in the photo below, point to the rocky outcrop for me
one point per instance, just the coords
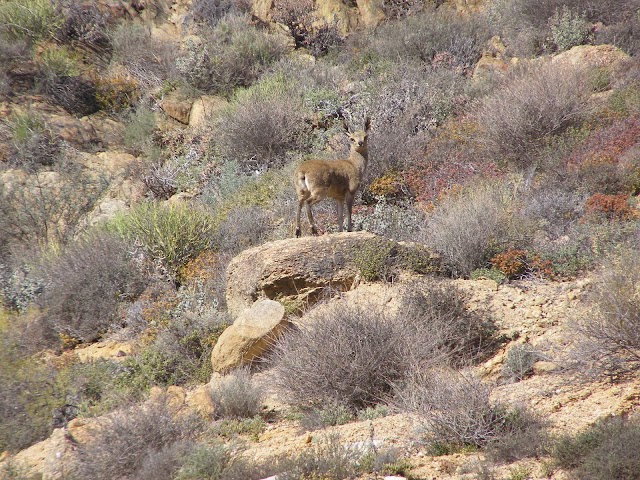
(250, 336)
(298, 271)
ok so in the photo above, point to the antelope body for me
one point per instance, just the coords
(315, 180)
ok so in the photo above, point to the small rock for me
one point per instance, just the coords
(542, 367)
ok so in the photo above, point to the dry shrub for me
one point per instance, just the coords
(466, 225)
(607, 335)
(542, 100)
(84, 288)
(121, 442)
(49, 205)
(236, 395)
(353, 356)
(411, 103)
(233, 54)
(438, 37)
(150, 60)
(454, 409)
(85, 28)
(349, 355)
(77, 95)
(435, 317)
(263, 124)
(245, 227)
(301, 21)
(210, 12)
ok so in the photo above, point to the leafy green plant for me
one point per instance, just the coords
(170, 236)
(33, 20)
(374, 259)
(569, 28)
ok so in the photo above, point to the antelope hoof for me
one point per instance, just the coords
(314, 230)
(298, 233)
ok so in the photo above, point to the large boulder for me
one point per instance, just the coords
(250, 336)
(298, 271)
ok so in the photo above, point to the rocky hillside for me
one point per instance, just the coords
(159, 319)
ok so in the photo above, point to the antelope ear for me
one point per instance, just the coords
(347, 130)
(367, 123)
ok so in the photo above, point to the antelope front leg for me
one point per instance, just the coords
(349, 199)
(340, 214)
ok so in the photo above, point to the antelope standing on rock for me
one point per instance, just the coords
(315, 180)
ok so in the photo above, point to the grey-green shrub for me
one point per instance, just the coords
(519, 361)
(263, 124)
(236, 395)
(604, 450)
(465, 226)
(233, 54)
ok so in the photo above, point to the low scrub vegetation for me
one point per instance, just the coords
(603, 450)
(364, 352)
(606, 337)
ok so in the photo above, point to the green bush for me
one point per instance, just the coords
(569, 28)
(236, 395)
(180, 353)
(603, 451)
(139, 134)
(31, 20)
(84, 288)
(28, 398)
(170, 235)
